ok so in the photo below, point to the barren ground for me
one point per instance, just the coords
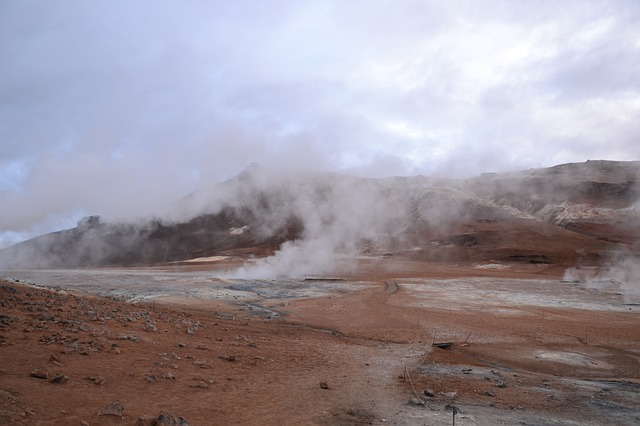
(526, 348)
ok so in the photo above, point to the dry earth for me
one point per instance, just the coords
(526, 348)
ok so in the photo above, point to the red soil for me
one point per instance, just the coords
(363, 357)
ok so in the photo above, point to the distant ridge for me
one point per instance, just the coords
(564, 214)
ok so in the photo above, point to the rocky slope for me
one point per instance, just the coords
(567, 214)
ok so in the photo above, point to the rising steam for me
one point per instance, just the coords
(621, 275)
(340, 217)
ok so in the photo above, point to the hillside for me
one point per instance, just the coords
(567, 214)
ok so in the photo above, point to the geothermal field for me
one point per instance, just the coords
(325, 299)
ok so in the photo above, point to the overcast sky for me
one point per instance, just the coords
(116, 107)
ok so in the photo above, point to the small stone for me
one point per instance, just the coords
(489, 392)
(324, 385)
(59, 378)
(429, 393)
(415, 401)
(98, 380)
(146, 421)
(201, 364)
(151, 378)
(166, 419)
(115, 409)
(150, 327)
(40, 373)
(168, 376)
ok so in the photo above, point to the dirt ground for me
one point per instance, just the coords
(520, 347)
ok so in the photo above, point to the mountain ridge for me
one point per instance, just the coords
(565, 214)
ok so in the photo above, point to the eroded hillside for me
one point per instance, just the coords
(560, 215)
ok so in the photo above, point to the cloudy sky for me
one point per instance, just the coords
(117, 107)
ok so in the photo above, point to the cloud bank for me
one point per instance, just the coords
(118, 108)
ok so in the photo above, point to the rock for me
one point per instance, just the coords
(40, 373)
(115, 409)
(168, 376)
(489, 392)
(164, 419)
(151, 378)
(149, 326)
(415, 402)
(201, 364)
(95, 379)
(170, 420)
(429, 393)
(146, 421)
(324, 385)
(59, 378)
(131, 337)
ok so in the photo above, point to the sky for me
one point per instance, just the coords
(118, 107)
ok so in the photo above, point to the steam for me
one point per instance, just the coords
(118, 107)
(621, 275)
(294, 259)
(301, 222)
(340, 217)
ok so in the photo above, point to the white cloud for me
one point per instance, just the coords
(118, 107)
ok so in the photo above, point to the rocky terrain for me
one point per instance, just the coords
(323, 299)
(496, 343)
(567, 214)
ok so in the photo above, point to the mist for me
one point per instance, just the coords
(340, 216)
(621, 274)
(119, 108)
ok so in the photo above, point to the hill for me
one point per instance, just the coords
(569, 214)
